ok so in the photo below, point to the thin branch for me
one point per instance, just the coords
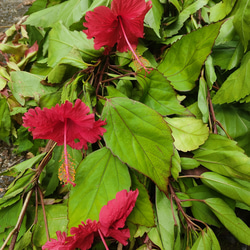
(44, 213)
(18, 224)
(49, 149)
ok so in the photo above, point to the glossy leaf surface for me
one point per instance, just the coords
(183, 61)
(98, 178)
(189, 133)
(147, 144)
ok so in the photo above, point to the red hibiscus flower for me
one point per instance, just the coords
(122, 24)
(84, 234)
(114, 214)
(66, 125)
(112, 218)
(62, 243)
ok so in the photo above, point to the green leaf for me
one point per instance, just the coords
(57, 221)
(223, 54)
(210, 71)
(199, 209)
(175, 3)
(51, 181)
(69, 12)
(233, 119)
(50, 100)
(5, 121)
(227, 32)
(184, 196)
(24, 84)
(189, 133)
(21, 167)
(98, 178)
(153, 17)
(25, 241)
(176, 165)
(69, 90)
(8, 200)
(125, 87)
(74, 58)
(142, 213)
(140, 137)
(236, 122)
(202, 99)
(24, 141)
(17, 50)
(221, 10)
(183, 61)
(229, 219)
(4, 77)
(215, 243)
(9, 216)
(184, 15)
(236, 85)
(242, 21)
(169, 230)
(155, 237)
(226, 186)
(189, 163)
(36, 6)
(206, 240)
(158, 94)
(114, 92)
(223, 156)
(23, 182)
(63, 42)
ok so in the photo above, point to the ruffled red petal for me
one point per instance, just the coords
(102, 24)
(132, 14)
(114, 214)
(49, 124)
(84, 234)
(62, 243)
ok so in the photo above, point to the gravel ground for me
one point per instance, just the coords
(7, 160)
(11, 11)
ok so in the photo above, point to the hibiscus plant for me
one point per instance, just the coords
(135, 116)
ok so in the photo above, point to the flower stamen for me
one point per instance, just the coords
(102, 238)
(130, 46)
(66, 171)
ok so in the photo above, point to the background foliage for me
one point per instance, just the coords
(179, 134)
